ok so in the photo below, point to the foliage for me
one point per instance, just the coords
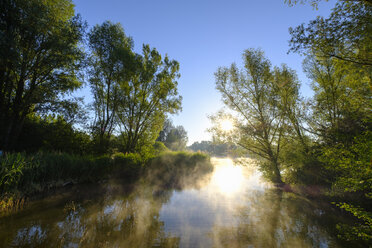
(351, 164)
(39, 59)
(346, 35)
(145, 99)
(43, 171)
(175, 138)
(132, 92)
(127, 166)
(50, 133)
(159, 147)
(11, 171)
(338, 62)
(109, 62)
(361, 231)
(215, 148)
(341, 100)
(261, 98)
(315, 3)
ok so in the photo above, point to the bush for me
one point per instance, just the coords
(11, 167)
(159, 147)
(32, 173)
(128, 166)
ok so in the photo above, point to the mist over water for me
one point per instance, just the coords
(230, 206)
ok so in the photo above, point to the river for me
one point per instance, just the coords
(229, 207)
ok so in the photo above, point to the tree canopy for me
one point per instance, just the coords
(40, 58)
(252, 94)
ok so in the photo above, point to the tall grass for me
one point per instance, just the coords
(29, 174)
(23, 175)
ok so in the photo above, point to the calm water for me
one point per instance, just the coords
(230, 207)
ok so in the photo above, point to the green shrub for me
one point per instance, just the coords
(128, 166)
(33, 173)
(11, 166)
(159, 148)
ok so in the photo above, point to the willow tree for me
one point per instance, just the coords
(39, 60)
(260, 123)
(145, 99)
(111, 61)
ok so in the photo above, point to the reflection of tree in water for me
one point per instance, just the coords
(114, 220)
(275, 219)
(111, 217)
(131, 221)
(180, 171)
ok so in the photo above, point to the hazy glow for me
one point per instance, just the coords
(226, 125)
(228, 178)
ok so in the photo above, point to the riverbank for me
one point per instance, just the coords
(24, 177)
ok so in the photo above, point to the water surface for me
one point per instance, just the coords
(229, 207)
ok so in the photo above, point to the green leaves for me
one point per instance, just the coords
(346, 35)
(132, 92)
(264, 102)
(40, 56)
(11, 170)
(360, 231)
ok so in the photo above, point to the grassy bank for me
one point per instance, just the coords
(23, 176)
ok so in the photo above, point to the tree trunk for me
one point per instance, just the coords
(277, 177)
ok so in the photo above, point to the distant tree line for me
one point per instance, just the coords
(46, 53)
(324, 140)
(174, 138)
(215, 148)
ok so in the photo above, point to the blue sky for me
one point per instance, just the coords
(203, 35)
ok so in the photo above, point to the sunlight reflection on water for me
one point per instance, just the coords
(192, 212)
(232, 207)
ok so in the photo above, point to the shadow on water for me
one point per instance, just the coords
(186, 206)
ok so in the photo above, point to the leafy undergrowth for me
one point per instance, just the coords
(25, 176)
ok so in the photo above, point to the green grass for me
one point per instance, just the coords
(26, 175)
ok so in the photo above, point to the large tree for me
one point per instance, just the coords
(39, 59)
(146, 97)
(338, 60)
(252, 94)
(111, 61)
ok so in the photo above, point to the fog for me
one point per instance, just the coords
(222, 204)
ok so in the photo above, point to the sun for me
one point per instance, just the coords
(226, 125)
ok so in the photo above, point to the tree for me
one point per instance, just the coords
(167, 127)
(341, 101)
(314, 3)
(215, 148)
(52, 133)
(111, 61)
(252, 95)
(175, 138)
(346, 35)
(287, 86)
(339, 62)
(39, 60)
(144, 100)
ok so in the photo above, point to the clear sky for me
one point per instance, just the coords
(203, 35)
